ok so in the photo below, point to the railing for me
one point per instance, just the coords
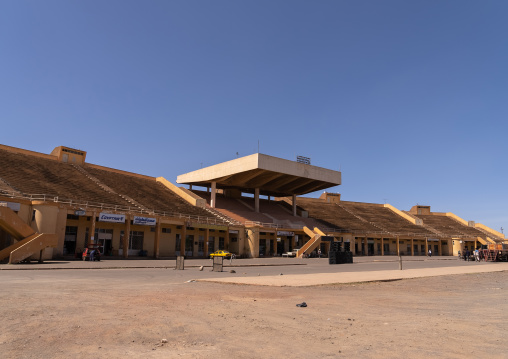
(116, 208)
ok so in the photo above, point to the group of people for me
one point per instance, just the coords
(476, 255)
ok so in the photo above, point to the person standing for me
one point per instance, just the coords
(319, 253)
(459, 255)
(467, 254)
(430, 253)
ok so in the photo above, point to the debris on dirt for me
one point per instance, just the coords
(201, 268)
(232, 271)
(281, 274)
(190, 281)
(302, 305)
(164, 341)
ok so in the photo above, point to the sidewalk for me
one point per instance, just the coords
(303, 280)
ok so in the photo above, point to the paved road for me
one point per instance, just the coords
(295, 272)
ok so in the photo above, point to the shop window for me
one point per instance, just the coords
(72, 216)
(178, 243)
(234, 240)
(71, 232)
(166, 230)
(189, 245)
(201, 244)
(221, 243)
(136, 240)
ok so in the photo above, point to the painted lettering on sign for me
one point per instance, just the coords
(110, 217)
(285, 233)
(145, 221)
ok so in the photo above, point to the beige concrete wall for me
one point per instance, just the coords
(187, 195)
(252, 242)
(50, 218)
(488, 229)
(457, 218)
(402, 214)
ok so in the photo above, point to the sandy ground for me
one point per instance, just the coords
(126, 313)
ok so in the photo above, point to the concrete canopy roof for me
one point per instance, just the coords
(273, 176)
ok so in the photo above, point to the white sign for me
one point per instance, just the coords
(145, 221)
(233, 231)
(285, 233)
(110, 217)
(12, 205)
(79, 213)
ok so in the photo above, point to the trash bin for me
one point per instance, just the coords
(217, 264)
(180, 262)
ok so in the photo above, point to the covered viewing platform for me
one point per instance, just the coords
(261, 174)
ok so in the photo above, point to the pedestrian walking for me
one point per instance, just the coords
(430, 253)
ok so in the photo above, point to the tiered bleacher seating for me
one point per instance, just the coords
(39, 176)
(449, 226)
(385, 218)
(234, 208)
(335, 215)
(5, 188)
(147, 192)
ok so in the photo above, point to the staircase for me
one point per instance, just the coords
(29, 242)
(491, 238)
(6, 187)
(221, 216)
(110, 190)
(312, 243)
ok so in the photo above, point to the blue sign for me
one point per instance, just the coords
(145, 221)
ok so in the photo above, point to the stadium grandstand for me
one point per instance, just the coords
(55, 205)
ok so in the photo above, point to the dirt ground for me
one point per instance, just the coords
(128, 313)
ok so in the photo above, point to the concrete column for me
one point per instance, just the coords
(256, 200)
(294, 205)
(366, 247)
(213, 195)
(156, 242)
(182, 239)
(226, 239)
(190, 187)
(440, 252)
(253, 242)
(412, 247)
(92, 230)
(398, 246)
(382, 246)
(126, 236)
(426, 246)
(207, 233)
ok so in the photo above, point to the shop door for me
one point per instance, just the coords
(211, 245)
(104, 240)
(280, 247)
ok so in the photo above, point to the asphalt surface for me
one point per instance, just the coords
(267, 271)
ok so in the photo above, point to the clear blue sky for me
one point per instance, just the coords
(408, 98)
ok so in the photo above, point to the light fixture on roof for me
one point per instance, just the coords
(302, 159)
